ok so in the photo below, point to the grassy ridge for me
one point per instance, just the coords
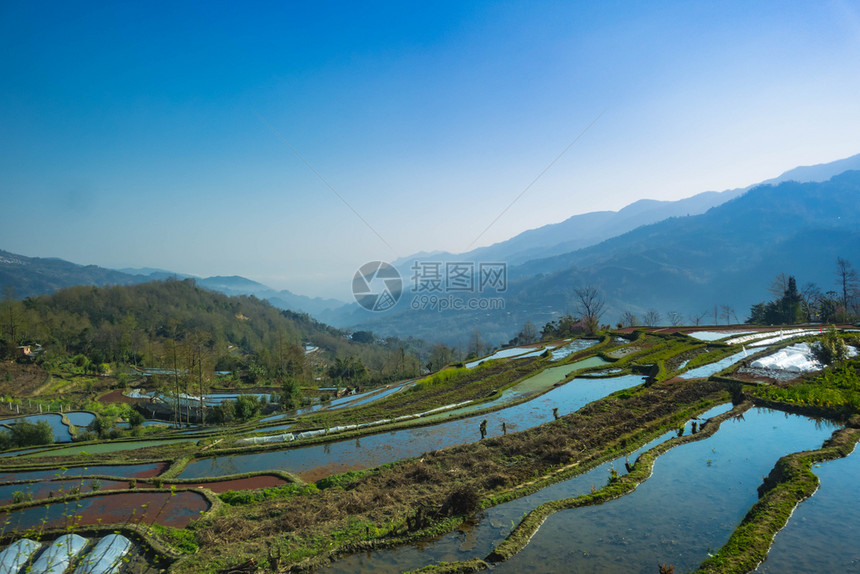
(790, 482)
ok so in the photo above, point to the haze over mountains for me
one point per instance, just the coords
(690, 265)
(685, 256)
(30, 276)
(591, 228)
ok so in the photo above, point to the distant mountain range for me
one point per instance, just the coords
(588, 229)
(687, 256)
(689, 265)
(30, 276)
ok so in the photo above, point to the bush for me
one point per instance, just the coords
(291, 394)
(135, 419)
(25, 433)
(102, 425)
(246, 407)
(830, 349)
(464, 500)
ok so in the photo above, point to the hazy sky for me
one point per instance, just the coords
(163, 134)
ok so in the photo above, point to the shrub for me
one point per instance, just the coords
(135, 419)
(19, 497)
(830, 349)
(463, 500)
(25, 433)
(246, 407)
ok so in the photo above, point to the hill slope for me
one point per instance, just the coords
(726, 256)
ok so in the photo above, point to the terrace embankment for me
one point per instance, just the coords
(434, 492)
(789, 483)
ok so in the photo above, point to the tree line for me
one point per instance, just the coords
(809, 303)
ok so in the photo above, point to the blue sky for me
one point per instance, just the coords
(160, 134)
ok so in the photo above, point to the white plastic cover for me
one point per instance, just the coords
(106, 556)
(59, 555)
(13, 558)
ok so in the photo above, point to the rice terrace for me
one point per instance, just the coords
(684, 447)
(444, 287)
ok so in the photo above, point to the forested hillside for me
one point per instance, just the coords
(167, 323)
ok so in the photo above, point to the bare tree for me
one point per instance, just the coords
(847, 280)
(697, 319)
(591, 307)
(779, 286)
(810, 299)
(476, 345)
(529, 334)
(651, 318)
(628, 319)
(11, 318)
(726, 312)
(675, 318)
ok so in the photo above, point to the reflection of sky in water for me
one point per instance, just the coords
(478, 537)
(821, 535)
(698, 494)
(126, 471)
(707, 370)
(165, 508)
(386, 447)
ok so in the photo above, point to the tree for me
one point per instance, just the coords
(564, 326)
(697, 319)
(651, 318)
(810, 301)
(628, 319)
(102, 425)
(25, 433)
(779, 285)
(246, 407)
(726, 311)
(440, 356)
(591, 307)
(529, 334)
(366, 337)
(351, 370)
(476, 345)
(846, 278)
(291, 394)
(11, 317)
(135, 419)
(788, 308)
(790, 304)
(675, 318)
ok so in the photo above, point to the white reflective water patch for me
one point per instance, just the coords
(783, 337)
(568, 349)
(13, 558)
(501, 354)
(58, 557)
(716, 335)
(785, 333)
(106, 557)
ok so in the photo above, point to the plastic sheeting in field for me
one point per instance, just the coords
(13, 558)
(106, 556)
(57, 558)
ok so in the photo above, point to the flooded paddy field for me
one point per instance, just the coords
(822, 534)
(698, 494)
(175, 509)
(147, 470)
(314, 462)
(477, 537)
